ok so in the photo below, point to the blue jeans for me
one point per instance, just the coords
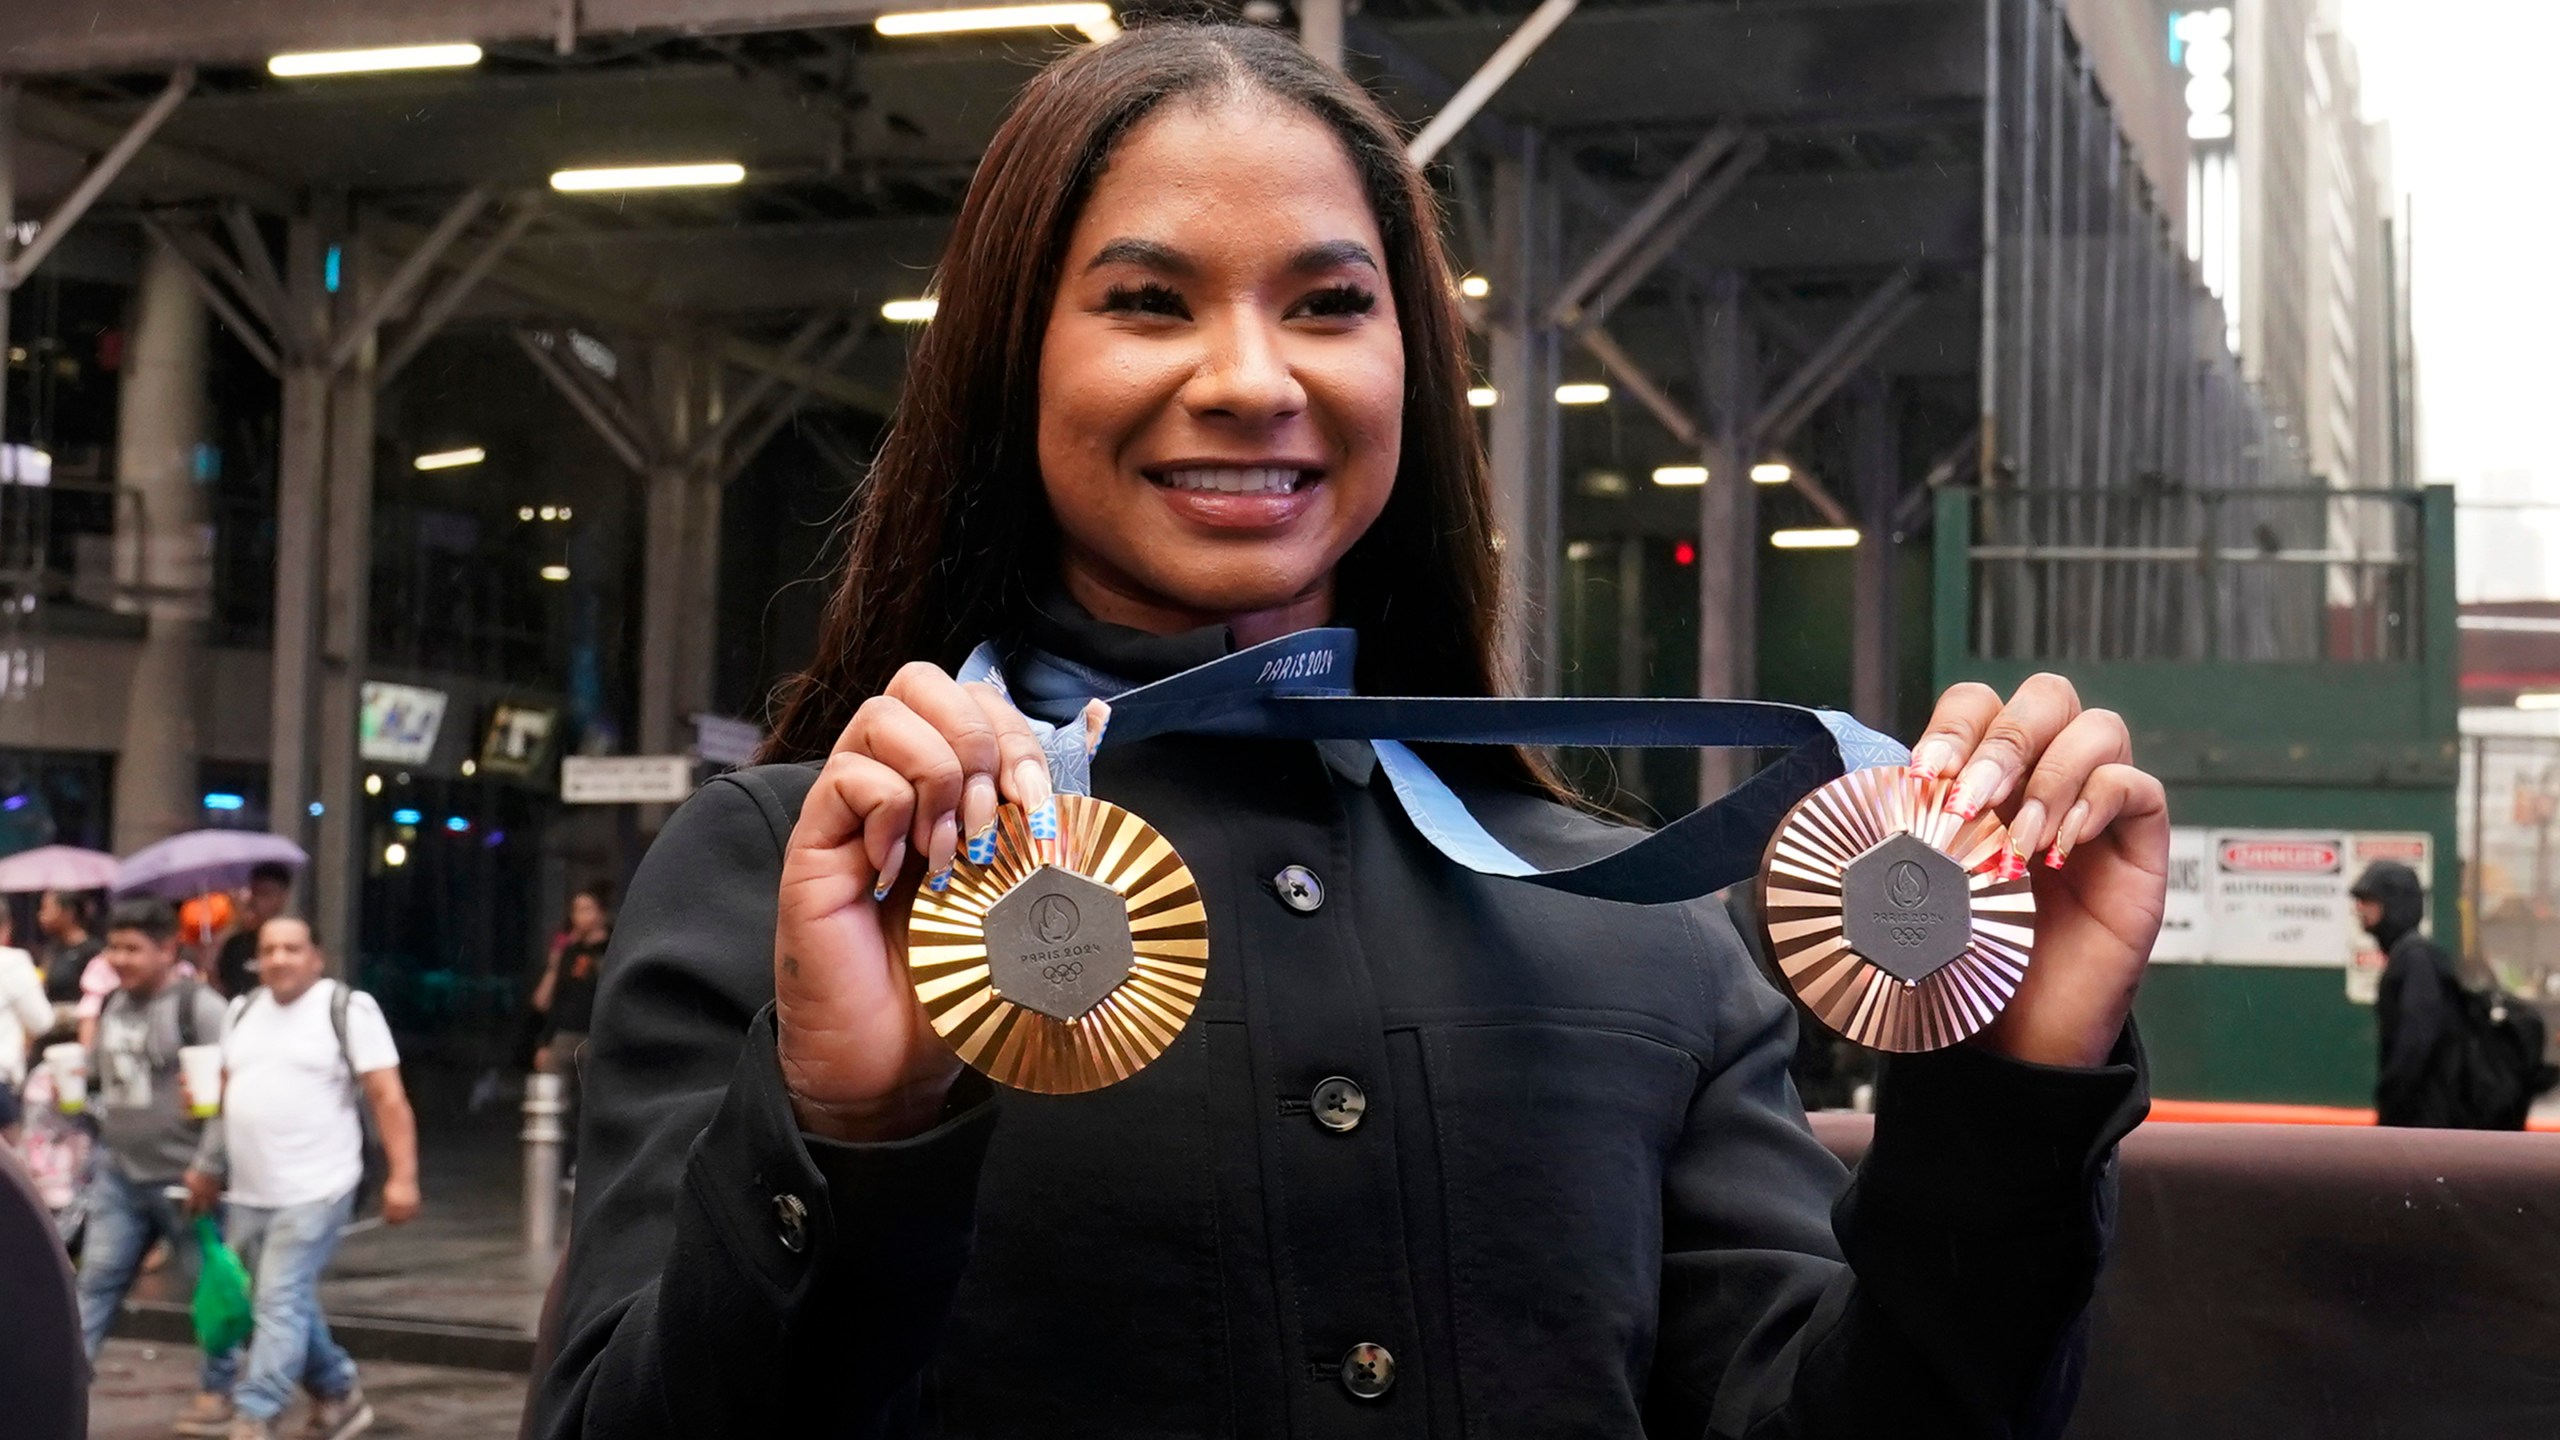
(123, 1219)
(285, 1249)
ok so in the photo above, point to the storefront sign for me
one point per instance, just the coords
(625, 779)
(2276, 897)
(719, 740)
(518, 739)
(400, 723)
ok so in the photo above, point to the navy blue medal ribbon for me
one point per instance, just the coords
(1298, 688)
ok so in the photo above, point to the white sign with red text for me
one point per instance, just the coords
(2274, 897)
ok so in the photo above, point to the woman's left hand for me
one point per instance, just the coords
(2091, 829)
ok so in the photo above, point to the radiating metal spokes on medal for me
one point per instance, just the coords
(1899, 923)
(1064, 963)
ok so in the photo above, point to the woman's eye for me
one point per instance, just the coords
(1339, 301)
(1147, 299)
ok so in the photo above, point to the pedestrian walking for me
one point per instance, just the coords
(306, 1060)
(235, 966)
(566, 998)
(152, 1150)
(25, 1015)
(62, 917)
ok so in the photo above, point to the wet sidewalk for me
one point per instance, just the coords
(452, 1287)
(141, 1386)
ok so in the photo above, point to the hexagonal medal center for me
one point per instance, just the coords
(1906, 908)
(1058, 943)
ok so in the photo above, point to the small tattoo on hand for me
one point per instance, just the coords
(791, 966)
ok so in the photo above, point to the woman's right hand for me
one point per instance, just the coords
(919, 768)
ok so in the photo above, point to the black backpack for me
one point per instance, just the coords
(2493, 1058)
(377, 1163)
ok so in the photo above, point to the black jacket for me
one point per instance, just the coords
(2413, 1006)
(1582, 1199)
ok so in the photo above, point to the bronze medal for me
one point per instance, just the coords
(1064, 963)
(1895, 921)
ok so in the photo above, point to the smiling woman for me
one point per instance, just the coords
(1427, 1150)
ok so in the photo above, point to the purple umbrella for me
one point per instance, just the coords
(57, 867)
(188, 865)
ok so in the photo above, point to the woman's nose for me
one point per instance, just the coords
(1244, 374)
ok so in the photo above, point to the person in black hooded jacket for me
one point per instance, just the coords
(2414, 1008)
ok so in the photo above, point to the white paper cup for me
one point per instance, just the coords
(68, 1064)
(201, 1067)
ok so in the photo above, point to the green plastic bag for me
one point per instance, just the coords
(221, 1309)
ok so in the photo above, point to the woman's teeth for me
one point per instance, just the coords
(1233, 481)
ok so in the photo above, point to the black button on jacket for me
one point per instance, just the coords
(1581, 1198)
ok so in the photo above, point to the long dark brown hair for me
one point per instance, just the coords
(954, 530)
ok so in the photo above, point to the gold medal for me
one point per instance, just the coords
(1898, 923)
(1067, 962)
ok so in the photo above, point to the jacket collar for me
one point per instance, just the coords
(1117, 658)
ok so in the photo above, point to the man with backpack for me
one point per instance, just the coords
(2450, 1057)
(149, 1142)
(314, 1115)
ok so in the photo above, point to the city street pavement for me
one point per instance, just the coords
(453, 1287)
(140, 1386)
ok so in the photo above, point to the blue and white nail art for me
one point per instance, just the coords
(1044, 821)
(982, 848)
(940, 881)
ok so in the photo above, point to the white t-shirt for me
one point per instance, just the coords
(288, 1106)
(24, 1012)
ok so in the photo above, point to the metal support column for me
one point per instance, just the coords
(1320, 30)
(1729, 529)
(164, 552)
(9, 86)
(301, 464)
(338, 864)
(1525, 451)
(1874, 623)
(671, 573)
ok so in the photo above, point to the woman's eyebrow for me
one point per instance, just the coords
(1149, 254)
(1332, 255)
(1156, 255)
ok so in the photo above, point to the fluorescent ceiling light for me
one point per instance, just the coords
(1482, 397)
(1771, 474)
(1814, 539)
(555, 572)
(2539, 700)
(648, 177)
(451, 459)
(1474, 287)
(368, 62)
(1582, 394)
(910, 312)
(1096, 20)
(1680, 475)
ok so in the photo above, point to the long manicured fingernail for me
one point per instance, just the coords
(2067, 834)
(2013, 866)
(1930, 758)
(1097, 723)
(1973, 788)
(1044, 820)
(889, 868)
(1031, 782)
(2027, 831)
(978, 805)
(982, 846)
(945, 843)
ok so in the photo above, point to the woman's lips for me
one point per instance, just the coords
(1257, 497)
